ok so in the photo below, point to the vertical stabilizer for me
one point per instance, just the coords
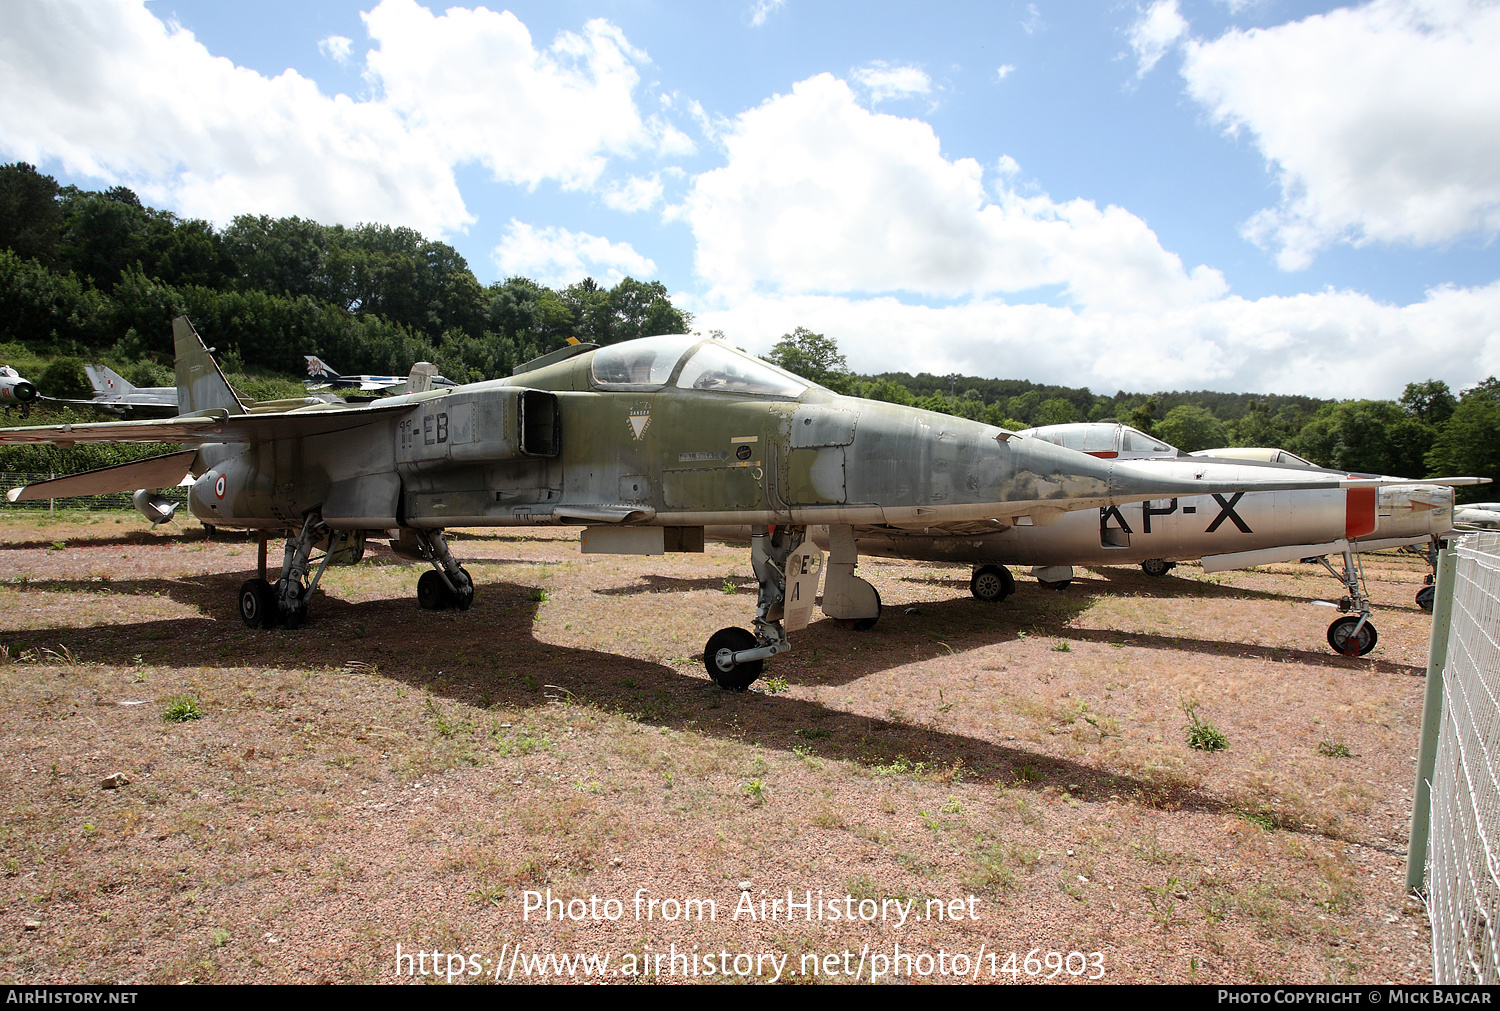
(200, 384)
(107, 381)
(420, 380)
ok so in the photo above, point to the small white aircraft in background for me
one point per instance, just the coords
(16, 391)
(321, 377)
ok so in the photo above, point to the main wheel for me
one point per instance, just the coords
(432, 593)
(257, 604)
(1425, 596)
(725, 672)
(865, 624)
(465, 598)
(1061, 584)
(1343, 640)
(1157, 567)
(992, 583)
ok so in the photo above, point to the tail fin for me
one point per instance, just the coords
(107, 381)
(420, 380)
(200, 384)
(317, 370)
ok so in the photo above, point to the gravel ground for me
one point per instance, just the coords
(963, 783)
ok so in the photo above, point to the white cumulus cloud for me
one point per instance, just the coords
(884, 81)
(336, 48)
(558, 257)
(1324, 344)
(1382, 121)
(112, 93)
(1155, 32)
(822, 195)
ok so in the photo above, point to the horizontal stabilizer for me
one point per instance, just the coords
(157, 472)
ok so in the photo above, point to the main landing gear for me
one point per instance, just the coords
(448, 584)
(788, 567)
(1353, 634)
(991, 583)
(263, 604)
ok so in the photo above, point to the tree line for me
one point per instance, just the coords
(98, 273)
(1429, 432)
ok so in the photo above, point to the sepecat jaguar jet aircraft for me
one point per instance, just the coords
(642, 444)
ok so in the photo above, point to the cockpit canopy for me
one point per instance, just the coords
(689, 362)
(1104, 439)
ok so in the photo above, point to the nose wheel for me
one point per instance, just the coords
(1352, 635)
(718, 657)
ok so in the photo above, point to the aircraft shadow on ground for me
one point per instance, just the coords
(653, 583)
(490, 656)
(1105, 582)
(1245, 651)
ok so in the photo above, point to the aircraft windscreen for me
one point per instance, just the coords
(718, 368)
(645, 362)
(1140, 442)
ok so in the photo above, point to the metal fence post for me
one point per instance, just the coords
(1432, 718)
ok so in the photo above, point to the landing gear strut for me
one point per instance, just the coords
(448, 584)
(1354, 634)
(735, 657)
(262, 604)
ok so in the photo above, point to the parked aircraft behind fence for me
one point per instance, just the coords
(1225, 531)
(643, 444)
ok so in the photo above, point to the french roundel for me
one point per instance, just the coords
(219, 486)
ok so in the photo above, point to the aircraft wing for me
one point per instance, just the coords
(157, 472)
(211, 426)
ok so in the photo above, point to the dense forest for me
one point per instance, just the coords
(98, 276)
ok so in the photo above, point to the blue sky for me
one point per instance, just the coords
(1275, 196)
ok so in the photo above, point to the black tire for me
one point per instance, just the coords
(1157, 567)
(432, 593)
(740, 676)
(865, 624)
(465, 598)
(1341, 636)
(1425, 597)
(1061, 584)
(992, 583)
(257, 604)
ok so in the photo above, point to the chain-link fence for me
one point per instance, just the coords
(1463, 868)
(115, 500)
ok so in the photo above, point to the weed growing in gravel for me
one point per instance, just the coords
(180, 709)
(1062, 647)
(1200, 734)
(728, 587)
(1334, 749)
(810, 734)
(756, 791)
(1163, 900)
(540, 595)
(774, 686)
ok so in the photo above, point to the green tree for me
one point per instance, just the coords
(812, 356)
(64, 380)
(30, 218)
(1365, 436)
(1191, 429)
(1468, 445)
(1431, 401)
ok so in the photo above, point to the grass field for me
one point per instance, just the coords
(1011, 778)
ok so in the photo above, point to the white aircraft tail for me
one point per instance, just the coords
(317, 369)
(420, 380)
(107, 381)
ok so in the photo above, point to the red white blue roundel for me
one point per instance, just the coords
(219, 486)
